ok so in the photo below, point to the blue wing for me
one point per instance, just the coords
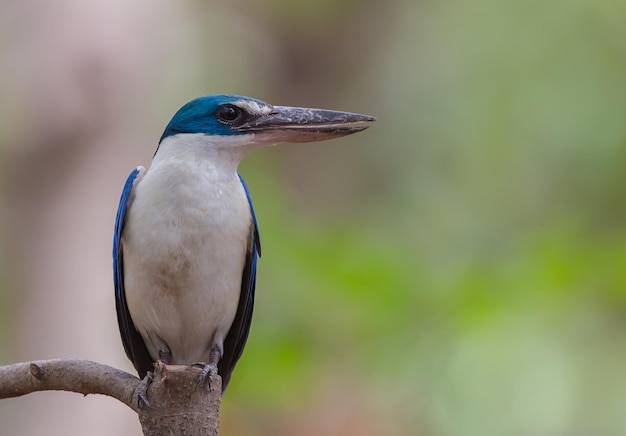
(134, 345)
(238, 333)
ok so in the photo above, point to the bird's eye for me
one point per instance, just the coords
(228, 113)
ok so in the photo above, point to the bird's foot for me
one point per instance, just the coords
(160, 372)
(142, 390)
(208, 373)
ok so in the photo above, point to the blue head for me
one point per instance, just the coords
(228, 115)
(214, 115)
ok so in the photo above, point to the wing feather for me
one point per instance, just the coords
(238, 333)
(134, 345)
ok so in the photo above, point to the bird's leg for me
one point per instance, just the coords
(165, 356)
(160, 368)
(209, 370)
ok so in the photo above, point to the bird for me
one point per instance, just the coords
(186, 238)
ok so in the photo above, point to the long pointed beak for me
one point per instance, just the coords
(297, 124)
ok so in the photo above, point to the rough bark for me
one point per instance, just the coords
(175, 406)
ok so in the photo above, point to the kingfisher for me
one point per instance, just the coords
(186, 239)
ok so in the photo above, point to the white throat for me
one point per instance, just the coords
(223, 153)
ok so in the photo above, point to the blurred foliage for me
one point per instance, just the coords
(460, 267)
(478, 283)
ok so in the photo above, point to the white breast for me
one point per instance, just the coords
(184, 244)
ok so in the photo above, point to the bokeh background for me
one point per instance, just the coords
(457, 269)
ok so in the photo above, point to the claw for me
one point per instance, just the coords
(142, 390)
(160, 370)
(208, 373)
(209, 370)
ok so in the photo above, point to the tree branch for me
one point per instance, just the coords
(73, 375)
(176, 406)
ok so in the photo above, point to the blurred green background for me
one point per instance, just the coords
(457, 269)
